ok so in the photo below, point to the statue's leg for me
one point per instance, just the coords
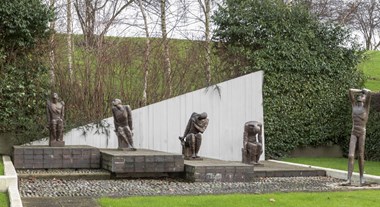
(250, 152)
(53, 130)
(59, 130)
(259, 151)
(254, 153)
(361, 146)
(122, 137)
(188, 147)
(128, 134)
(198, 139)
(351, 158)
(193, 146)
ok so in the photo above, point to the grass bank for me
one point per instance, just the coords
(300, 199)
(371, 68)
(370, 167)
(1, 166)
(4, 200)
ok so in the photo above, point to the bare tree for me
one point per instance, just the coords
(146, 53)
(166, 49)
(87, 11)
(206, 9)
(52, 46)
(69, 38)
(362, 16)
(367, 21)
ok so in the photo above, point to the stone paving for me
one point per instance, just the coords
(40, 188)
(149, 187)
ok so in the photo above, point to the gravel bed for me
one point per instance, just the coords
(60, 171)
(34, 187)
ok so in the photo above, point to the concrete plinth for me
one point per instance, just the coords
(54, 143)
(141, 163)
(46, 157)
(211, 170)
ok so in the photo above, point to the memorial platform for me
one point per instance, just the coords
(212, 170)
(275, 169)
(45, 157)
(141, 163)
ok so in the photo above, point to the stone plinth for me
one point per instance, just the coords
(141, 161)
(211, 170)
(45, 157)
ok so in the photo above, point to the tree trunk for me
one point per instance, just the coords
(206, 8)
(168, 91)
(69, 39)
(146, 55)
(52, 50)
(208, 41)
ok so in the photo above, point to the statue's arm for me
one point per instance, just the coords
(259, 136)
(114, 118)
(351, 93)
(48, 111)
(63, 110)
(129, 112)
(187, 130)
(368, 98)
(245, 138)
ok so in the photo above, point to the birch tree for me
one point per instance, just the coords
(146, 53)
(167, 66)
(52, 46)
(87, 11)
(206, 9)
(69, 39)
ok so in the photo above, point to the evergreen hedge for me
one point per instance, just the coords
(308, 68)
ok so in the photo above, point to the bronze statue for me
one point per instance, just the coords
(360, 100)
(252, 142)
(55, 116)
(122, 116)
(192, 138)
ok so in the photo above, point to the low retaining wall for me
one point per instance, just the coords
(9, 183)
(45, 157)
(340, 174)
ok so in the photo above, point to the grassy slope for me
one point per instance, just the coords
(302, 199)
(371, 68)
(4, 201)
(371, 167)
(1, 166)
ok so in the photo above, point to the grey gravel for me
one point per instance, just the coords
(33, 187)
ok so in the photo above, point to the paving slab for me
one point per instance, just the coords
(213, 170)
(60, 202)
(276, 169)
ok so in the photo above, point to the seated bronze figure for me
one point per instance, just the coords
(252, 142)
(192, 138)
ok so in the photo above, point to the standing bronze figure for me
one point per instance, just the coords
(360, 100)
(192, 138)
(55, 116)
(122, 115)
(252, 142)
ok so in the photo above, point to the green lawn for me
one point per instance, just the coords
(371, 68)
(1, 166)
(4, 201)
(300, 199)
(370, 167)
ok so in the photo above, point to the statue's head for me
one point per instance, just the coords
(252, 127)
(116, 102)
(202, 116)
(361, 98)
(54, 97)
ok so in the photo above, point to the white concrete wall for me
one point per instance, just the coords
(159, 125)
